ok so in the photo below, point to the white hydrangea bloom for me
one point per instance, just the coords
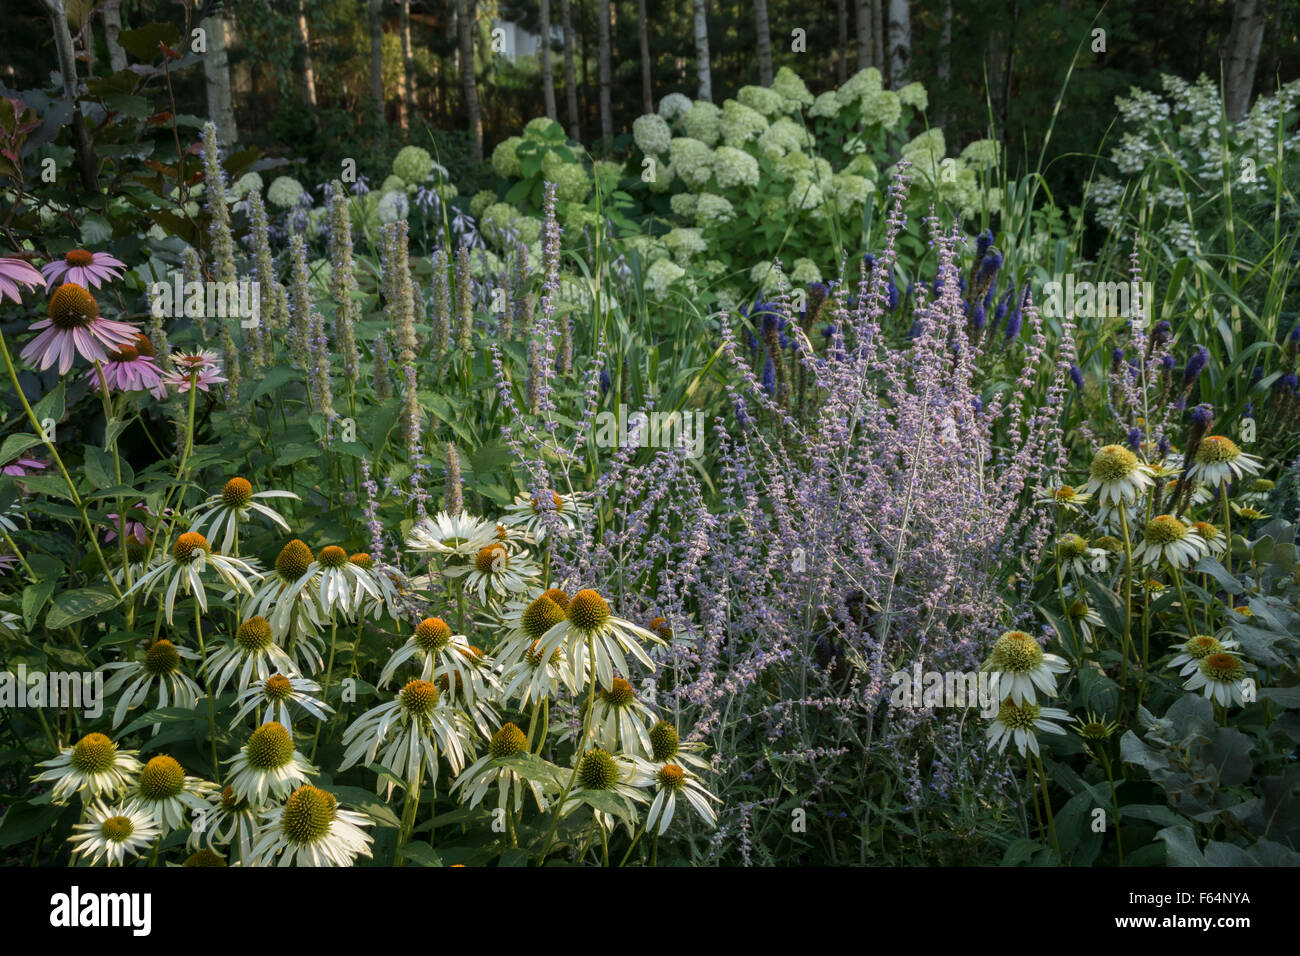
(792, 90)
(284, 192)
(692, 160)
(703, 121)
(914, 95)
(740, 123)
(673, 105)
(393, 206)
(734, 167)
(761, 100)
(651, 134)
(683, 204)
(684, 243)
(826, 106)
(805, 272)
(712, 210)
(661, 274)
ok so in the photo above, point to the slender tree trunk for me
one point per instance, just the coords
(702, 72)
(408, 57)
(570, 79)
(764, 32)
(112, 27)
(878, 35)
(843, 15)
(1241, 56)
(71, 90)
(642, 29)
(862, 25)
(88, 42)
(304, 40)
(944, 68)
(606, 80)
(465, 13)
(548, 72)
(900, 42)
(376, 25)
(216, 69)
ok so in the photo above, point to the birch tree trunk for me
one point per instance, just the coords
(112, 27)
(862, 23)
(1241, 56)
(570, 78)
(376, 25)
(702, 52)
(548, 72)
(465, 12)
(900, 42)
(878, 36)
(603, 68)
(304, 40)
(216, 70)
(647, 95)
(764, 31)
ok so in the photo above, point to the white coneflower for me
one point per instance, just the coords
(1196, 649)
(415, 725)
(621, 720)
(1085, 618)
(190, 556)
(1075, 555)
(488, 771)
(498, 571)
(228, 821)
(1218, 459)
(599, 772)
(434, 647)
(589, 621)
(387, 583)
(165, 791)
(1221, 678)
(311, 830)
(459, 536)
(1248, 512)
(1216, 542)
(223, 513)
(276, 693)
(161, 665)
(293, 612)
(93, 766)
(1065, 497)
(542, 513)
(1171, 539)
(534, 677)
(1023, 667)
(268, 765)
(335, 582)
(671, 781)
(1021, 723)
(525, 621)
(253, 654)
(1117, 476)
(112, 834)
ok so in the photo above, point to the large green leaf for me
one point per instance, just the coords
(73, 606)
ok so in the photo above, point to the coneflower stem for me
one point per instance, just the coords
(1047, 806)
(582, 748)
(207, 690)
(329, 674)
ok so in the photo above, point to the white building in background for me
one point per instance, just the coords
(513, 41)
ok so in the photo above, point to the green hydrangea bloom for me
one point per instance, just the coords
(482, 199)
(285, 191)
(826, 106)
(683, 204)
(791, 89)
(761, 100)
(413, 164)
(863, 83)
(805, 272)
(652, 134)
(692, 160)
(505, 158)
(703, 121)
(881, 108)
(734, 167)
(393, 183)
(740, 123)
(914, 95)
(661, 274)
(684, 243)
(713, 210)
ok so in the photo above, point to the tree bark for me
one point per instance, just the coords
(465, 17)
(764, 31)
(606, 80)
(944, 68)
(570, 79)
(304, 40)
(112, 27)
(702, 52)
(647, 95)
(71, 89)
(408, 57)
(900, 42)
(548, 72)
(862, 24)
(216, 70)
(878, 35)
(1241, 56)
(376, 25)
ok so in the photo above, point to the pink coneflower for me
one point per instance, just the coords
(134, 524)
(132, 369)
(13, 273)
(185, 364)
(83, 267)
(23, 466)
(74, 326)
